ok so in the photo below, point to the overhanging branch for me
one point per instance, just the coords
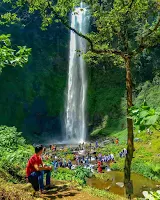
(98, 51)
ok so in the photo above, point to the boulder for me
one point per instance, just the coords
(120, 184)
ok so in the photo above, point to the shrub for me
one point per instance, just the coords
(69, 157)
(14, 151)
(10, 139)
(152, 195)
(78, 175)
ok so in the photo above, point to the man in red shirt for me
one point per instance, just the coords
(35, 170)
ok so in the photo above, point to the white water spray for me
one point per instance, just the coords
(75, 121)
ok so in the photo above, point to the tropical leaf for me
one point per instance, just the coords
(151, 120)
(143, 114)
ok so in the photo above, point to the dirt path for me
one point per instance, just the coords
(68, 193)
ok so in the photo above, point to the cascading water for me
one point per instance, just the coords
(75, 120)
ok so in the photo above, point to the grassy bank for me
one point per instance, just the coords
(103, 193)
(146, 159)
(10, 191)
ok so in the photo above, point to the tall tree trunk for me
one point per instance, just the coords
(130, 144)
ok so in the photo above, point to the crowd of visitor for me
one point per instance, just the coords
(83, 155)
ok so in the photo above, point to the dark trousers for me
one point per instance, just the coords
(36, 179)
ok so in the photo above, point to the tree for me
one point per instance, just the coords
(123, 30)
(8, 55)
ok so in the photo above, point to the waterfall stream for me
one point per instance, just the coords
(75, 119)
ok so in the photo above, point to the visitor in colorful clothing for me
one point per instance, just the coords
(99, 166)
(35, 170)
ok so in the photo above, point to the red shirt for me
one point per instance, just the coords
(99, 167)
(34, 160)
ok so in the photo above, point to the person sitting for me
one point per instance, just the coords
(35, 171)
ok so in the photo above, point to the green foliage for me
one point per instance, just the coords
(69, 157)
(155, 169)
(150, 90)
(102, 176)
(52, 86)
(78, 175)
(48, 9)
(8, 18)
(10, 139)
(144, 116)
(105, 97)
(152, 195)
(14, 151)
(81, 173)
(44, 77)
(144, 169)
(63, 174)
(120, 26)
(9, 56)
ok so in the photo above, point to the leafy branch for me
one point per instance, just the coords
(150, 31)
(12, 57)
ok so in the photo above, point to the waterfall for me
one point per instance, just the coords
(75, 119)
